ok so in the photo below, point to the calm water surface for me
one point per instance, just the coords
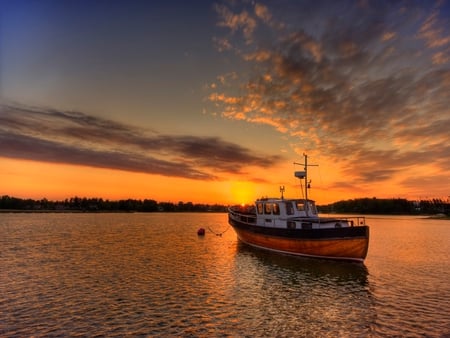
(150, 275)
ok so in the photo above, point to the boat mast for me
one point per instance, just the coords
(304, 175)
(306, 180)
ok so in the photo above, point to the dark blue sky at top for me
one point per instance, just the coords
(107, 39)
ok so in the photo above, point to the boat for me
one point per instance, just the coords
(293, 226)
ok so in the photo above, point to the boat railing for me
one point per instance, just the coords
(352, 220)
(355, 220)
(242, 214)
(247, 215)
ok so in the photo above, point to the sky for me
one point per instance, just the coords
(214, 101)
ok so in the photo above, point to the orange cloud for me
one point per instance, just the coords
(233, 21)
(388, 36)
(433, 33)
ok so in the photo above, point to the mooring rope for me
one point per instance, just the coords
(218, 233)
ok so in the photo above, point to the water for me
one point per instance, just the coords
(150, 275)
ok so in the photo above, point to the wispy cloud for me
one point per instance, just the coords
(77, 138)
(366, 83)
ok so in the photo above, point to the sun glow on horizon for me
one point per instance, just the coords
(58, 181)
(54, 181)
(243, 192)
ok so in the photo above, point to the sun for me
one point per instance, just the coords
(242, 192)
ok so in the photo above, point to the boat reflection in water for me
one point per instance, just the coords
(293, 226)
(310, 270)
(305, 297)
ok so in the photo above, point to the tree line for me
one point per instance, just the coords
(84, 204)
(394, 206)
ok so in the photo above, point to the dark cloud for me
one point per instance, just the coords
(30, 148)
(356, 81)
(77, 138)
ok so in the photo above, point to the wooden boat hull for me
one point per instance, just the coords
(349, 243)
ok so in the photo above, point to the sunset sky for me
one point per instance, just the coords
(212, 102)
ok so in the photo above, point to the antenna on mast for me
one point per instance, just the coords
(304, 175)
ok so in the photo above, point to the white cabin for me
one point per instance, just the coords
(276, 212)
(287, 214)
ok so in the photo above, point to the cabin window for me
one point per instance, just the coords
(289, 208)
(312, 208)
(276, 209)
(268, 208)
(291, 225)
(300, 206)
(259, 206)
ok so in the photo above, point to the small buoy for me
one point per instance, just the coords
(201, 232)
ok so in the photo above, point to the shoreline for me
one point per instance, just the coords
(67, 211)
(49, 211)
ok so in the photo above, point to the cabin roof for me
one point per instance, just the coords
(274, 199)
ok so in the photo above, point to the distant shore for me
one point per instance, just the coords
(83, 204)
(18, 211)
(49, 211)
(433, 208)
